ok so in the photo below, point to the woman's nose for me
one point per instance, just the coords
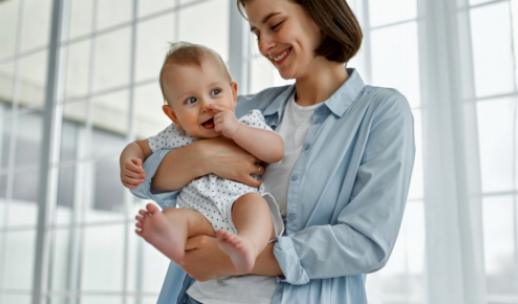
(266, 44)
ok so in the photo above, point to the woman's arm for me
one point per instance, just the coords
(219, 156)
(363, 231)
(204, 260)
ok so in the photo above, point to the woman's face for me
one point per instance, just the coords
(286, 35)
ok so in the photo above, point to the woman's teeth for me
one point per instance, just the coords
(280, 57)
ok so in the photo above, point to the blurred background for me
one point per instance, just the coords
(78, 80)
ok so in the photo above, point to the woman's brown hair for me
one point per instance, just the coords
(341, 32)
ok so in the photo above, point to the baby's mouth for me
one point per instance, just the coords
(209, 124)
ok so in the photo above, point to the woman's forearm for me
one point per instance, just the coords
(179, 167)
(266, 264)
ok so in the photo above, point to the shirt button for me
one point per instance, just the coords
(307, 146)
(294, 177)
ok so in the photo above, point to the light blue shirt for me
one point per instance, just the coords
(346, 193)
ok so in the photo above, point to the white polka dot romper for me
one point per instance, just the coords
(210, 195)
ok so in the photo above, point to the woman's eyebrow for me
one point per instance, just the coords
(264, 20)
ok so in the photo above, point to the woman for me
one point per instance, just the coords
(342, 184)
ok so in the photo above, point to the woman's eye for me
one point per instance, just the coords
(215, 92)
(191, 100)
(276, 26)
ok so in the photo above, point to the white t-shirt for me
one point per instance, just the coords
(259, 289)
(293, 129)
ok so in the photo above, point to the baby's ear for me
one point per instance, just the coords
(168, 111)
(234, 87)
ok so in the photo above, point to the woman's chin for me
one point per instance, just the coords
(286, 74)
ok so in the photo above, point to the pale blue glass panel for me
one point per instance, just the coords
(206, 23)
(113, 12)
(475, 2)
(153, 37)
(5, 120)
(18, 261)
(66, 192)
(154, 270)
(12, 298)
(102, 299)
(108, 191)
(25, 158)
(74, 120)
(358, 62)
(32, 79)
(262, 74)
(500, 266)
(149, 117)
(8, 27)
(60, 259)
(28, 140)
(495, 127)
(147, 299)
(6, 83)
(492, 49)
(23, 210)
(35, 23)
(112, 60)
(77, 68)
(416, 183)
(102, 253)
(395, 60)
(80, 21)
(110, 113)
(146, 7)
(383, 11)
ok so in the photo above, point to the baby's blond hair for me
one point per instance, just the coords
(186, 53)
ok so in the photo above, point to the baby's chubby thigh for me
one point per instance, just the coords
(252, 210)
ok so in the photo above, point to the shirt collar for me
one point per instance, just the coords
(346, 94)
(277, 106)
(336, 103)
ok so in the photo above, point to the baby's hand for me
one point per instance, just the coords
(132, 172)
(225, 121)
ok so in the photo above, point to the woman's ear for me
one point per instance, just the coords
(168, 111)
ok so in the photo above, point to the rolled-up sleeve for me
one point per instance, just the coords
(363, 231)
(144, 190)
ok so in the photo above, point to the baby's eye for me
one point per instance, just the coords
(215, 92)
(191, 100)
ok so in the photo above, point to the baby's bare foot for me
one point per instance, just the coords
(241, 251)
(155, 228)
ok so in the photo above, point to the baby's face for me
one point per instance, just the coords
(190, 90)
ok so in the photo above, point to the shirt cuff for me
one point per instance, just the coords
(144, 191)
(289, 262)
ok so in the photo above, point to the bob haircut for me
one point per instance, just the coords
(341, 32)
(186, 53)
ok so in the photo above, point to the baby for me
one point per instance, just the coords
(201, 97)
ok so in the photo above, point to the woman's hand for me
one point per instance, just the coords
(226, 159)
(204, 260)
(219, 156)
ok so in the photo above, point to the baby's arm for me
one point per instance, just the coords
(266, 145)
(131, 159)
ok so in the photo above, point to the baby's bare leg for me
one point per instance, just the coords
(168, 230)
(253, 221)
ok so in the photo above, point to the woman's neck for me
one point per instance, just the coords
(321, 82)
